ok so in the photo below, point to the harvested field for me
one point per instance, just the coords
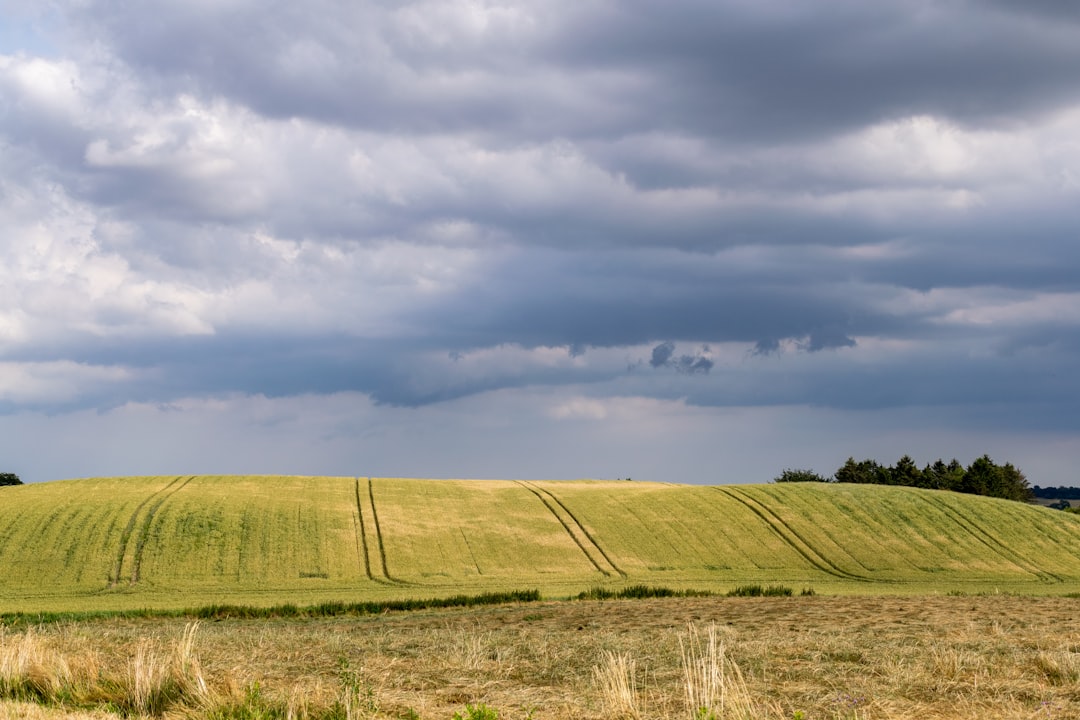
(824, 657)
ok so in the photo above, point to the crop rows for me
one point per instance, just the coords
(265, 539)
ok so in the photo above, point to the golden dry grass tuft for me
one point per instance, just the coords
(715, 687)
(32, 669)
(150, 680)
(616, 681)
(14, 710)
(1060, 667)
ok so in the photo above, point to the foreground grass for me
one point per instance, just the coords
(819, 658)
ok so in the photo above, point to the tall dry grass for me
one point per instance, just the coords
(151, 682)
(616, 680)
(32, 670)
(156, 680)
(715, 686)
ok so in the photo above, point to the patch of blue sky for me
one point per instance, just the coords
(18, 35)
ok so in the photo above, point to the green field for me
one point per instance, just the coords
(170, 542)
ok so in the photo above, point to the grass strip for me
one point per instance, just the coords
(639, 592)
(287, 610)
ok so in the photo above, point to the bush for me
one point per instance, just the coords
(759, 591)
(790, 475)
(9, 479)
(637, 592)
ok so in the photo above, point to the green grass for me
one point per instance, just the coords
(261, 541)
(251, 612)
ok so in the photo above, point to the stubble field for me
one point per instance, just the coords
(812, 657)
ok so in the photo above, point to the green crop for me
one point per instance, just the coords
(173, 542)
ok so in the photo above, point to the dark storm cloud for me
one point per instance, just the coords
(661, 354)
(827, 338)
(1056, 10)
(1033, 249)
(602, 300)
(416, 202)
(770, 69)
(766, 346)
(749, 70)
(400, 373)
(694, 364)
(359, 64)
(1030, 390)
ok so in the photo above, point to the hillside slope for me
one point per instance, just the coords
(168, 541)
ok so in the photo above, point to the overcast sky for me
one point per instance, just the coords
(689, 241)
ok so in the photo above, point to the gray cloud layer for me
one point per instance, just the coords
(737, 204)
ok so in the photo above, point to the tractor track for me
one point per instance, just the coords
(362, 543)
(129, 529)
(986, 539)
(574, 528)
(144, 532)
(790, 536)
(382, 574)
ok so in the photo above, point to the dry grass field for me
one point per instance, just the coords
(817, 658)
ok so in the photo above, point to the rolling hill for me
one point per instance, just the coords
(195, 540)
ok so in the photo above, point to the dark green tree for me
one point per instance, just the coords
(905, 472)
(940, 476)
(9, 479)
(790, 475)
(864, 472)
(980, 478)
(985, 477)
(1013, 484)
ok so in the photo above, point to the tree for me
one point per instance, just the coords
(1014, 486)
(906, 473)
(866, 472)
(985, 477)
(940, 476)
(790, 475)
(9, 479)
(1060, 492)
(980, 478)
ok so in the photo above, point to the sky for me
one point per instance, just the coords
(697, 241)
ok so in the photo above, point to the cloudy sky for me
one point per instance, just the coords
(689, 241)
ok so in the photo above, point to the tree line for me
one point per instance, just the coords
(982, 477)
(1056, 493)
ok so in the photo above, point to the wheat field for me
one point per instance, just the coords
(174, 542)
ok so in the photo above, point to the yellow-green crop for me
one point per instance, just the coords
(106, 543)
